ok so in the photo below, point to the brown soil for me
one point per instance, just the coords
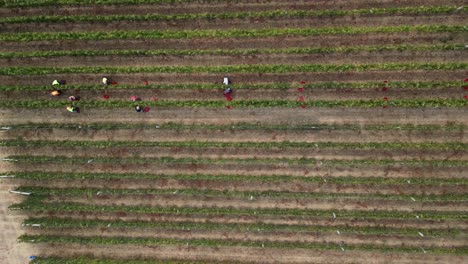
(232, 43)
(136, 78)
(227, 135)
(357, 116)
(290, 59)
(243, 94)
(236, 153)
(246, 255)
(244, 169)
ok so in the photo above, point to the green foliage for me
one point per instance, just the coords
(89, 260)
(36, 175)
(241, 161)
(270, 68)
(35, 204)
(65, 223)
(456, 146)
(461, 250)
(222, 33)
(232, 52)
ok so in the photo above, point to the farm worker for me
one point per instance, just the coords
(71, 109)
(138, 108)
(55, 93)
(227, 91)
(134, 98)
(72, 98)
(105, 81)
(55, 82)
(226, 81)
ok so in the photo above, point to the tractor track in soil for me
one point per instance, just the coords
(214, 78)
(182, 8)
(233, 43)
(236, 152)
(223, 60)
(226, 24)
(309, 237)
(227, 135)
(200, 201)
(335, 116)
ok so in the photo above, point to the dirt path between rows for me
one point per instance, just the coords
(294, 77)
(214, 7)
(227, 24)
(298, 237)
(235, 153)
(244, 254)
(233, 43)
(257, 135)
(201, 201)
(243, 94)
(246, 186)
(159, 116)
(218, 60)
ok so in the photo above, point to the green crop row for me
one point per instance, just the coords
(89, 260)
(271, 14)
(236, 52)
(455, 146)
(371, 103)
(91, 192)
(373, 181)
(218, 33)
(266, 161)
(283, 86)
(279, 68)
(462, 250)
(239, 227)
(35, 204)
(241, 126)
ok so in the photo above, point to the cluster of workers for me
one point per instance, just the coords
(106, 81)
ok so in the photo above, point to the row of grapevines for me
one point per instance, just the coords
(456, 146)
(461, 250)
(214, 33)
(374, 181)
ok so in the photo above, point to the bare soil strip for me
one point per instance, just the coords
(214, 7)
(302, 237)
(358, 116)
(211, 135)
(226, 24)
(246, 255)
(286, 186)
(233, 43)
(218, 60)
(264, 203)
(237, 153)
(242, 94)
(139, 78)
